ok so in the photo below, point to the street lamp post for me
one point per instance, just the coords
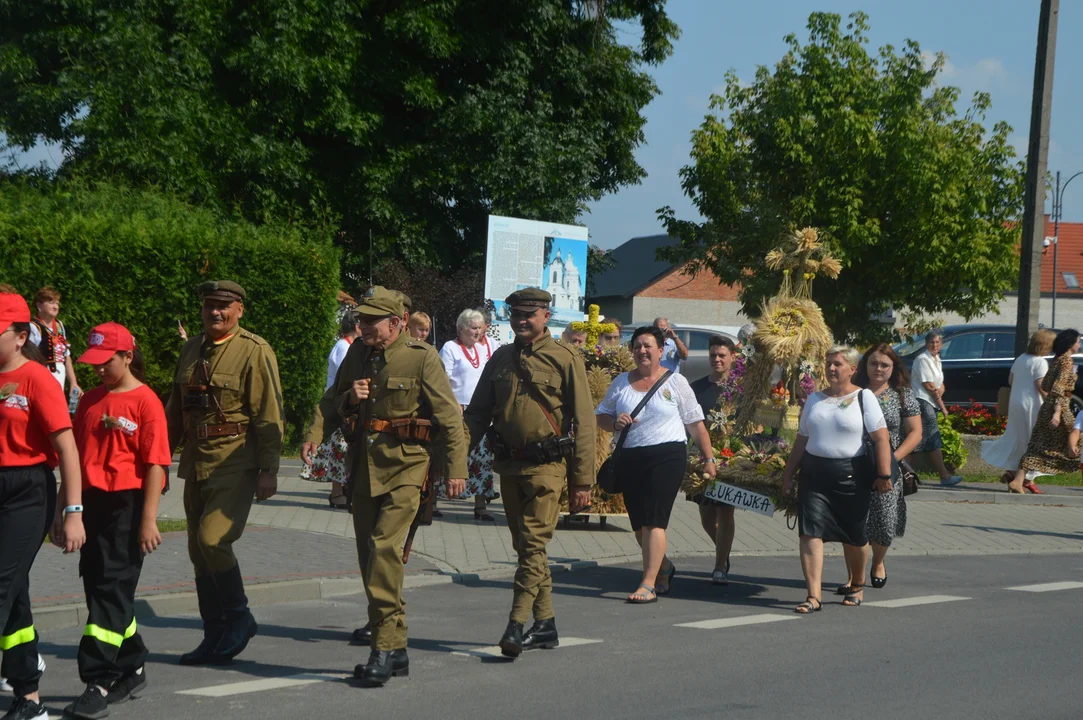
(1058, 211)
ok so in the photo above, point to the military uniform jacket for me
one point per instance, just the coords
(502, 401)
(408, 381)
(244, 378)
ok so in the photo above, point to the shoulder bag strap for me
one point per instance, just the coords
(640, 406)
(536, 397)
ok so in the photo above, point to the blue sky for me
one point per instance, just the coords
(990, 46)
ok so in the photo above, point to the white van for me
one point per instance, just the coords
(695, 338)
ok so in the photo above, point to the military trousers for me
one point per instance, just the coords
(27, 506)
(380, 525)
(532, 505)
(217, 509)
(110, 563)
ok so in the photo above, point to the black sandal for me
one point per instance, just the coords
(807, 607)
(852, 599)
(844, 590)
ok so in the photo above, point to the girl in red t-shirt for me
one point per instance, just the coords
(35, 436)
(120, 430)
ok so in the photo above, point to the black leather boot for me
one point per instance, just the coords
(214, 622)
(362, 635)
(541, 635)
(511, 645)
(240, 625)
(382, 666)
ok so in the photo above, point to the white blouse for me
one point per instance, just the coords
(338, 352)
(459, 364)
(664, 417)
(833, 425)
(926, 369)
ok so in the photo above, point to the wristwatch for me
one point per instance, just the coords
(711, 461)
(883, 477)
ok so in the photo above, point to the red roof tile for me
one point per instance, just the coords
(1069, 258)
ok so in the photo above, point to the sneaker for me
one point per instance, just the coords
(91, 705)
(26, 709)
(6, 687)
(952, 481)
(129, 687)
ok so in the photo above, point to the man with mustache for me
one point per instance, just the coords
(226, 408)
(534, 395)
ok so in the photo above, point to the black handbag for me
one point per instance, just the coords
(909, 478)
(607, 473)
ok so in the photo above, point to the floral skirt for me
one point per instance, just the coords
(329, 461)
(479, 474)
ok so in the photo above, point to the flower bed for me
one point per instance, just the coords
(976, 420)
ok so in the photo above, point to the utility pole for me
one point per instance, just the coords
(1030, 254)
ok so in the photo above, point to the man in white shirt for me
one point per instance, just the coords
(674, 350)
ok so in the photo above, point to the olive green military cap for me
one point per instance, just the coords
(530, 298)
(378, 301)
(407, 303)
(222, 290)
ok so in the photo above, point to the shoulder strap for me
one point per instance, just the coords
(861, 407)
(640, 406)
(536, 397)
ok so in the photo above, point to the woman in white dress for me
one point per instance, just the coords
(328, 463)
(464, 359)
(1025, 401)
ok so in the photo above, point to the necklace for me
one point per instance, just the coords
(474, 361)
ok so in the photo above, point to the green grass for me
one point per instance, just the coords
(1069, 480)
(164, 525)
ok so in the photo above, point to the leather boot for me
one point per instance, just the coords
(511, 645)
(382, 666)
(214, 622)
(541, 635)
(240, 625)
(362, 635)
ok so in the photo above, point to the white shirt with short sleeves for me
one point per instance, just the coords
(926, 369)
(670, 359)
(834, 425)
(663, 419)
(61, 372)
(338, 352)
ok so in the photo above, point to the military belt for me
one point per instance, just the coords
(224, 430)
(416, 429)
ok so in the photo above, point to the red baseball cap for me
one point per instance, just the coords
(105, 341)
(13, 309)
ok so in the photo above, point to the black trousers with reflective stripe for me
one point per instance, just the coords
(27, 504)
(110, 563)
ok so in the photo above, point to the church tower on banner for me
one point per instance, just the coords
(564, 283)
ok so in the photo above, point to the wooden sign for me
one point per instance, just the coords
(742, 499)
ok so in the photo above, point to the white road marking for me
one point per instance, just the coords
(252, 686)
(919, 600)
(494, 650)
(1048, 587)
(737, 622)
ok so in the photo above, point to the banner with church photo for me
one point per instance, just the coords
(528, 253)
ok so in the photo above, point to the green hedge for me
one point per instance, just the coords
(136, 257)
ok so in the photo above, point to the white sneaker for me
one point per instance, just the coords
(5, 687)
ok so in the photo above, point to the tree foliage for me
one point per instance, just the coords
(413, 119)
(915, 200)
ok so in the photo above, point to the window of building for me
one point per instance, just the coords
(1070, 281)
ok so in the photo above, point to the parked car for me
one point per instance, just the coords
(977, 360)
(695, 338)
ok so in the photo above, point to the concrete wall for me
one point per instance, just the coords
(1069, 313)
(688, 312)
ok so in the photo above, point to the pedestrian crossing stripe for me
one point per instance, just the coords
(912, 601)
(1047, 587)
(494, 650)
(252, 686)
(737, 621)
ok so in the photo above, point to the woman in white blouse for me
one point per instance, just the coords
(927, 382)
(651, 463)
(464, 359)
(837, 478)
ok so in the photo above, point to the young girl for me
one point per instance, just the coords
(120, 430)
(35, 435)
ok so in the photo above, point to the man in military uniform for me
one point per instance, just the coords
(226, 408)
(534, 395)
(391, 397)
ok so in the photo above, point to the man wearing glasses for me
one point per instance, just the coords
(392, 399)
(226, 407)
(534, 396)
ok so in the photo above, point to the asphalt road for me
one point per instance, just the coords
(975, 648)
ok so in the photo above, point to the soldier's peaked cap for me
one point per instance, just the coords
(530, 298)
(378, 301)
(222, 290)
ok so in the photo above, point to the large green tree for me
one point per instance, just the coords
(412, 119)
(916, 201)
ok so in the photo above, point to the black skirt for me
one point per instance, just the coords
(650, 478)
(833, 495)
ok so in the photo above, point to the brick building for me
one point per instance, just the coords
(639, 288)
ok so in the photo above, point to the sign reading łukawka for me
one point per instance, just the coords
(743, 499)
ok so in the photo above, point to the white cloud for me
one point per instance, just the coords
(985, 75)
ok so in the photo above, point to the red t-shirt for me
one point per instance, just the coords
(32, 407)
(119, 435)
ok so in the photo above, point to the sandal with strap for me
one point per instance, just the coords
(807, 607)
(669, 579)
(852, 599)
(637, 599)
(844, 590)
(1030, 487)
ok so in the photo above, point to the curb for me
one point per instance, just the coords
(966, 495)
